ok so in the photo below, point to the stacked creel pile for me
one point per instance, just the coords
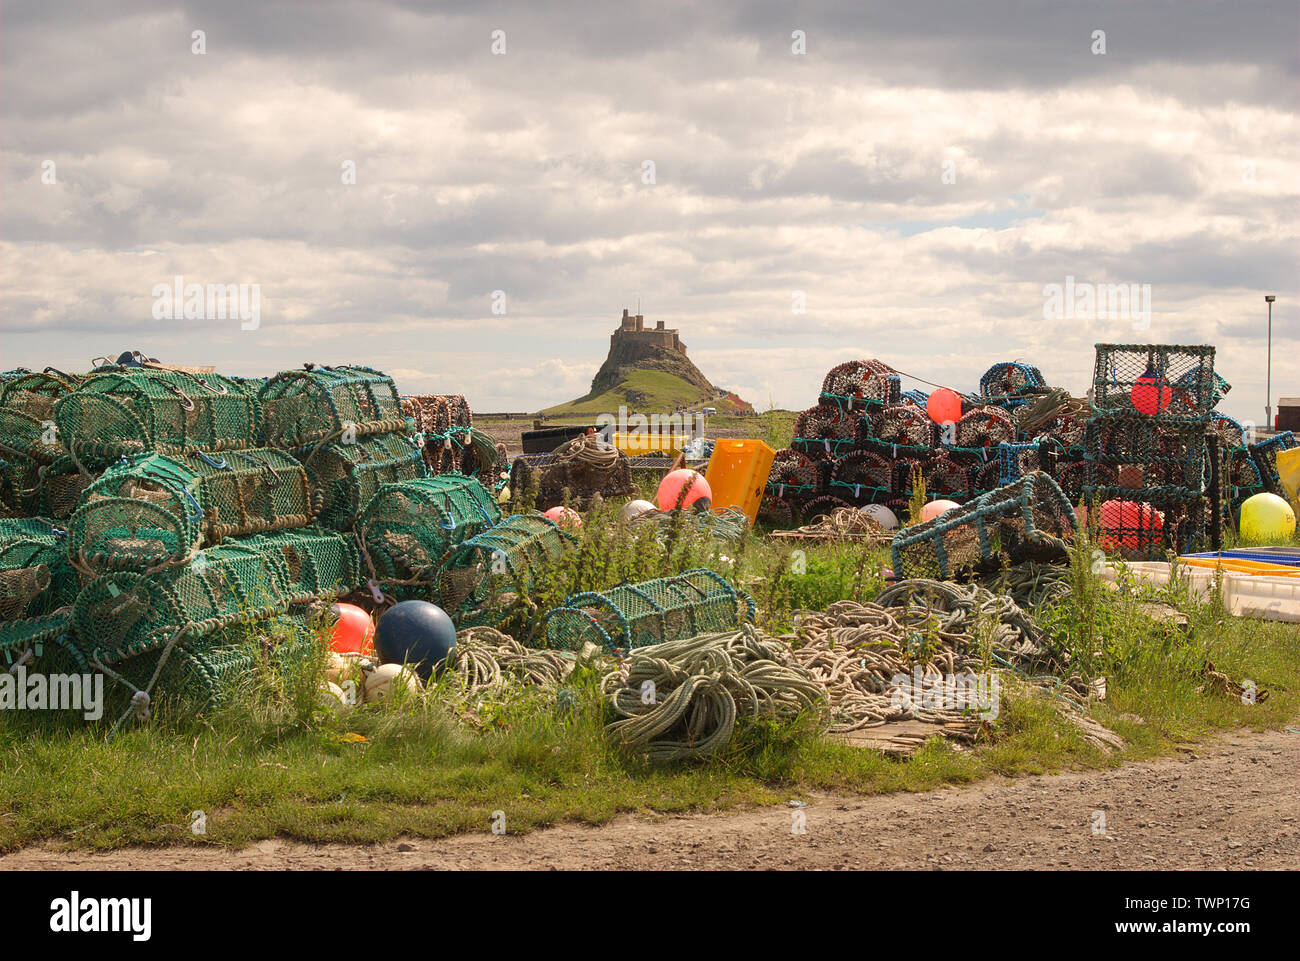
(144, 510)
(1154, 464)
(866, 442)
(576, 472)
(444, 424)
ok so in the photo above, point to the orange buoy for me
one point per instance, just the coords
(354, 632)
(944, 406)
(684, 488)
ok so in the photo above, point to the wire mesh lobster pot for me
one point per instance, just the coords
(984, 427)
(917, 398)
(38, 635)
(546, 477)
(635, 615)
(200, 670)
(131, 411)
(59, 487)
(902, 425)
(318, 563)
(344, 477)
(478, 579)
(19, 485)
(1231, 434)
(124, 613)
(777, 512)
(1029, 519)
(1264, 454)
(858, 384)
(406, 528)
(1164, 379)
(796, 475)
(1147, 452)
(42, 529)
(35, 394)
(155, 510)
(947, 475)
(1145, 525)
(826, 431)
(863, 477)
(1012, 379)
(23, 435)
(1242, 476)
(36, 576)
(319, 404)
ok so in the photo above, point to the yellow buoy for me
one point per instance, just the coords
(1266, 517)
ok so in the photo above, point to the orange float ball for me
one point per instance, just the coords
(684, 488)
(944, 406)
(354, 632)
(934, 508)
(564, 517)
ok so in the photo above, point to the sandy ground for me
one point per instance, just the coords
(1230, 804)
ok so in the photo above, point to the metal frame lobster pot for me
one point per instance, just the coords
(321, 404)
(344, 477)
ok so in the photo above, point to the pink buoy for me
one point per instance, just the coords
(1128, 525)
(944, 406)
(564, 517)
(934, 508)
(684, 488)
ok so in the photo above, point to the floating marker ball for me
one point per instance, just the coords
(354, 631)
(633, 509)
(1150, 393)
(882, 515)
(416, 633)
(934, 508)
(1266, 517)
(564, 517)
(333, 698)
(684, 488)
(388, 679)
(1129, 525)
(944, 406)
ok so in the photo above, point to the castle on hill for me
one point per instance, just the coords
(632, 329)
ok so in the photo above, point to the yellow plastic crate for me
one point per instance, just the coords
(737, 474)
(651, 443)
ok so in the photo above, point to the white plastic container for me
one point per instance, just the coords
(1244, 595)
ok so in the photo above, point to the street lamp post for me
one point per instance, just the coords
(1268, 375)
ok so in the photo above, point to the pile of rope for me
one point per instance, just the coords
(589, 450)
(842, 522)
(682, 699)
(1056, 403)
(485, 659)
(1031, 584)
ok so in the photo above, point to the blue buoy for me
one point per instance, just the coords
(416, 633)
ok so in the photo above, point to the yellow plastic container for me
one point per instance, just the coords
(737, 474)
(650, 443)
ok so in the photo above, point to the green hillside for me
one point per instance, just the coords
(645, 392)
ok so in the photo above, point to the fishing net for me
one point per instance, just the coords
(584, 467)
(795, 475)
(303, 407)
(858, 384)
(35, 394)
(406, 528)
(1012, 379)
(59, 487)
(826, 431)
(36, 637)
(19, 485)
(1030, 519)
(1163, 519)
(863, 476)
(1156, 379)
(1264, 454)
(154, 510)
(903, 425)
(1231, 434)
(1148, 452)
(42, 529)
(130, 411)
(24, 435)
(479, 579)
(343, 477)
(777, 512)
(635, 615)
(121, 614)
(318, 564)
(35, 577)
(984, 427)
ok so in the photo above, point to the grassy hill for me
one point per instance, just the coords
(644, 392)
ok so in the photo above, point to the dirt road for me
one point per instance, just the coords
(1234, 803)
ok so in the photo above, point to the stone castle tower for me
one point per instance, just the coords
(634, 347)
(632, 329)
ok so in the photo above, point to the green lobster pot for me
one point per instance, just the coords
(20, 477)
(321, 404)
(122, 614)
(317, 563)
(154, 511)
(407, 527)
(477, 579)
(35, 577)
(344, 477)
(131, 411)
(59, 487)
(637, 615)
(39, 638)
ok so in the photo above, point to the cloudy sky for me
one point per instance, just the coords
(916, 173)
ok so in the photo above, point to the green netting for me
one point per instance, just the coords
(137, 410)
(30, 436)
(19, 485)
(318, 563)
(59, 487)
(155, 510)
(42, 529)
(1147, 452)
(35, 577)
(1029, 519)
(201, 670)
(477, 580)
(121, 614)
(635, 615)
(344, 477)
(34, 394)
(39, 635)
(303, 407)
(407, 527)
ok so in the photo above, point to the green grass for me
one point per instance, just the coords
(652, 391)
(269, 763)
